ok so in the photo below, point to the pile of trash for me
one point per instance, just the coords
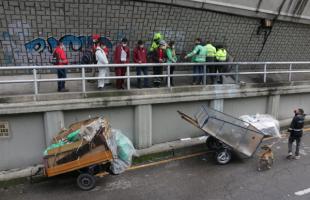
(87, 138)
(263, 122)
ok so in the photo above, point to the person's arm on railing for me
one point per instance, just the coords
(194, 52)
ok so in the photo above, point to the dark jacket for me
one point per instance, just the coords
(297, 125)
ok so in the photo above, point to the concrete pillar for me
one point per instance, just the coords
(53, 122)
(273, 105)
(143, 126)
(217, 104)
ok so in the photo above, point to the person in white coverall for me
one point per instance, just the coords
(101, 58)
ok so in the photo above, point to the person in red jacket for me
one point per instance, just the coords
(61, 59)
(139, 56)
(160, 58)
(121, 56)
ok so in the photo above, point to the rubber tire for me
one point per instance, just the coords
(86, 181)
(223, 156)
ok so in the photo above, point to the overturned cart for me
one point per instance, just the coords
(226, 133)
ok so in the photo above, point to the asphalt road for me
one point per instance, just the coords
(194, 178)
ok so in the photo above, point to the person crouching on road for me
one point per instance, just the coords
(61, 59)
(140, 57)
(171, 58)
(101, 59)
(296, 132)
(198, 55)
(121, 56)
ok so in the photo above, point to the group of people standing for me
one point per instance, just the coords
(159, 52)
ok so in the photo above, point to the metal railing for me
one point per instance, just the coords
(238, 70)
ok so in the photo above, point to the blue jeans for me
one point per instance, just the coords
(198, 69)
(143, 70)
(61, 73)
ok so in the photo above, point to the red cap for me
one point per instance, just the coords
(95, 36)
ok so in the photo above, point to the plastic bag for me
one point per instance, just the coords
(88, 131)
(74, 136)
(53, 146)
(122, 150)
(267, 124)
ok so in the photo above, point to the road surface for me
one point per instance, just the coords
(189, 179)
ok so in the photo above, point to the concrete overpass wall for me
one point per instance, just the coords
(146, 119)
(30, 29)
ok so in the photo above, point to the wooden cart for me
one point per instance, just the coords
(88, 158)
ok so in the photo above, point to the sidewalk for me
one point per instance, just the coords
(76, 86)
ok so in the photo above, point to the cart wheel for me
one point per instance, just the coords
(223, 156)
(86, 181)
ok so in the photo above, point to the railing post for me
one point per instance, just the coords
(168, 78)
(35, 83)
(290, 74)
(265, 73)
(128, 78)
(237, 74)
(83, 81)
(204, 75)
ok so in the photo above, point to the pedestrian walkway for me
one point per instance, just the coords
(76, 86)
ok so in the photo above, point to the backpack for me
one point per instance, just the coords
(88, 58)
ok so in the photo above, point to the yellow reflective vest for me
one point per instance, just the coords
(211, 50)
(221, 55)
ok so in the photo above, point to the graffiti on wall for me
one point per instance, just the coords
(75, 43)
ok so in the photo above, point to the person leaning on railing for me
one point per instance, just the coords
(221, 56)
(198, 55)
(211, 51)
(160, 57)
(60, 57)
(171, 58)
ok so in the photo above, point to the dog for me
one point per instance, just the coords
(265, 158)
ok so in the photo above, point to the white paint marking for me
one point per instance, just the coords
(185, 139)
(302, 192)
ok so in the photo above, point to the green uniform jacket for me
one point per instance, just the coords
(171, 58)
(198, 54)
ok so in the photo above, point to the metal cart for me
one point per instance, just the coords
(226, 133)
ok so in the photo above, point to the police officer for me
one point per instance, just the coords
(296, 132)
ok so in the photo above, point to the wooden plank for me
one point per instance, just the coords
(188, 119)
(66, 147)
(87, 160)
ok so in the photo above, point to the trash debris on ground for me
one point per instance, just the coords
(267, 124)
